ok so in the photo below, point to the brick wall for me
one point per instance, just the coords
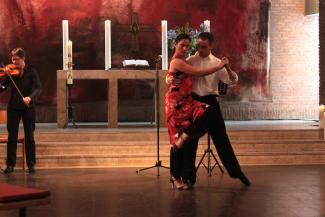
(294, 67)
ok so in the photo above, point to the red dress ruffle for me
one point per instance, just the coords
(181, 109)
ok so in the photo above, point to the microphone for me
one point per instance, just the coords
(159, 58)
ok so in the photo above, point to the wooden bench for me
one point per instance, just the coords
(19, 197)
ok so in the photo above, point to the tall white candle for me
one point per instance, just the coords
(164, 45)
(207, 25)
(70, 54)
(321, 116)
(70, 64)
(323, 125)
(108, 54)
(65, 38)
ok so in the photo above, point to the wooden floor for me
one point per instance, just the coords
(276, 191)
(93, 145)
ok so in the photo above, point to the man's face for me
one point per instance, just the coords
(18, 62)
(203, 47)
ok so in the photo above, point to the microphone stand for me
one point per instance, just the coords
(158, 162)
(69, 100)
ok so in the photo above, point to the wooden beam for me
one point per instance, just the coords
(113, 103)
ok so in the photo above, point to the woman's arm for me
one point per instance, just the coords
(181, 65)
(233, 77)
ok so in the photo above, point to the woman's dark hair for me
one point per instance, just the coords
(18, 52)
(181, 37)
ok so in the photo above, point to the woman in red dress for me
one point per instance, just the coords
(181, 110)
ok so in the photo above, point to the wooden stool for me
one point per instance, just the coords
(18, 197)
(4, 139)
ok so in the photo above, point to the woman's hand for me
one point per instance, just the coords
(224, 61)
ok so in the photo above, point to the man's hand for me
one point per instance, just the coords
(27, 100)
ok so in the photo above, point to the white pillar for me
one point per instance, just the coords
(65, 38)
(164, 45)
(207, 25)
(108, 54)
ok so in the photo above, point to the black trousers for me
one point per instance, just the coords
(182, 161)
(212, 121)
(27, 115)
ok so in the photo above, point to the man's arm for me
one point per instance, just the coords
(37, 87)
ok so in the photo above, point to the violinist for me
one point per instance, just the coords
(25, 87)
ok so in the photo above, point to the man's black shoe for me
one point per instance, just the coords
(31, 169)
(8, 170)
(244, 180)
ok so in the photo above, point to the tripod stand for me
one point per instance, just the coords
(208, 167)
(69, 102)
(158, 162)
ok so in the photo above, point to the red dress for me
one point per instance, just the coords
(181, 109)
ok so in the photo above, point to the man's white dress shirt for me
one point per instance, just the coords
(208, 84)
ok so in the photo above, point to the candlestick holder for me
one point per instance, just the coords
(69, 108)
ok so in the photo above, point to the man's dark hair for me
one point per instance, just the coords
(206, 36)
(18, 52)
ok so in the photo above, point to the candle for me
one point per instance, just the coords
(323, 125)
(207, 25)
(69, 73)
(321, 116)
(69, 54)
(108, 55)
(164, 45)
(65, 38)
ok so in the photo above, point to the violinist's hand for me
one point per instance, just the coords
(6, 69)
(27, 100)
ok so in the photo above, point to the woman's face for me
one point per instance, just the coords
(182, 47)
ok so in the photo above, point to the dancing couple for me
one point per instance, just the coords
(192, 109)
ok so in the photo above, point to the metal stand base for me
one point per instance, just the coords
(158, 162)
(158, 165)
(210, 153)
(70, 109)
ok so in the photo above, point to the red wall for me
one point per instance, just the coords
(36, 26)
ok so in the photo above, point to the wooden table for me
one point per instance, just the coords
(20, 197)
(112, 76)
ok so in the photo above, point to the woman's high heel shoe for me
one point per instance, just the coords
(176, 183)
(187, 185)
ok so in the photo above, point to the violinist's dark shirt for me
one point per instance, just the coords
(29, 84)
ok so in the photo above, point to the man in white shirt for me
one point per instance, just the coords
(205, 89)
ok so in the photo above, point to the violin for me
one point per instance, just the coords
(12, 70)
